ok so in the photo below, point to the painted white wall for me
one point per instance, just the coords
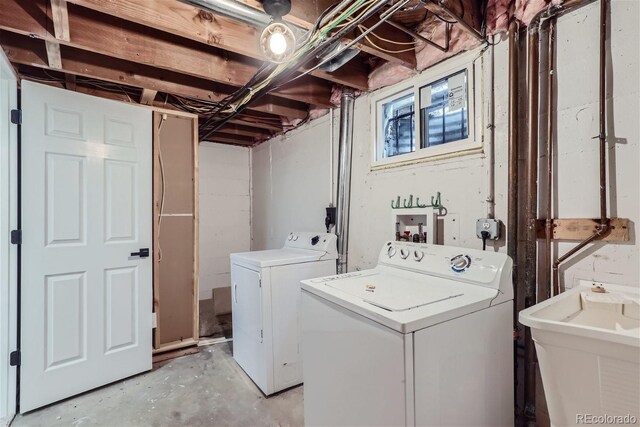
(293, 182)
(461, 180)
(225, 219)
(289, 193)
(577, 154)
(8, 252)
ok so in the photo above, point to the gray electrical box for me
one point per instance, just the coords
(491, 226)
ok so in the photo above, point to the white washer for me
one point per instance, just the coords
(265, 296)
(424, 338)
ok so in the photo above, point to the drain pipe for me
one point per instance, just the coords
(344, 177)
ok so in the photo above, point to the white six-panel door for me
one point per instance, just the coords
(86, 206)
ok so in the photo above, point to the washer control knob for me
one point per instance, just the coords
(460, 263)
(418, 255)
(295, 237)
(290, 236)
(404, 253)
(391, 251)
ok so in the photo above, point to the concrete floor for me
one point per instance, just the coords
(203, 389)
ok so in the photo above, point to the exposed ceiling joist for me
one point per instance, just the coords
(60, 17)
(54, 58)
(254, 122)
(148, 96)
(117, 38)
(70, 81)
(225, 33)
(28, 51)
(466, 13)
(231, 139)
(234, 129)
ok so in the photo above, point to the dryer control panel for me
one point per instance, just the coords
(323, 242)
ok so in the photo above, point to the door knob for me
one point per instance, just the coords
(144, 253)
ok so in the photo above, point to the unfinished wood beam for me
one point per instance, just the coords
(235, 129)
(305, 13)
(60, 17)
(54, 58)
(148, 96)
(28, 51)
(70, 83)
(468, 11)
(231, 139)
(257, 124)
(215, 30)
(117, 38)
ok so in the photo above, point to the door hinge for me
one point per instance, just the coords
(15, 358)
(16, 117)
(261, 334)
(154, 320)
(260, 282)
(16, 237)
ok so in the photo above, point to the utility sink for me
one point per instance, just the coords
(588, 345)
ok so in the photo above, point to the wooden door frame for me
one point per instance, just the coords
(158, 347)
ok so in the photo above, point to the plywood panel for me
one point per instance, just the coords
(176, 228)
(177, 155)
(176, 279)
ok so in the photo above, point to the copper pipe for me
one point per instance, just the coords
(603, 137)
(512, 202)
(549, 219)
(531, 215)
(604, 227)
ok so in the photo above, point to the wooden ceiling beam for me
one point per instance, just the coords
(231, 139)
(466, 10)
(305, 13)
(60, 17)
(244, 121)
(226, 136)
(186, 21)
(70, 81)
(114, 37)
(148, 96)
(234, 129)
(54, 57)
(29, 51)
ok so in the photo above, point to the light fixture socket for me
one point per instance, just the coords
(277, 8)
(277, 50)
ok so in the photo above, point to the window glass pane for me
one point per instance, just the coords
(444, 110)
(398, 126)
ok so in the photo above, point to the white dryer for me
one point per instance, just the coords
(265, 292)
(424, 338)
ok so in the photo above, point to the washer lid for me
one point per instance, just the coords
(273, 257)
(394, 293)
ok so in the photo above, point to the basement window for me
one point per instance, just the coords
(444, 111)
(431, 118)
(399, 126)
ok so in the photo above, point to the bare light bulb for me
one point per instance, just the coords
(277, 43)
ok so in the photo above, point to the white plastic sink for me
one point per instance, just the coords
(588, 347)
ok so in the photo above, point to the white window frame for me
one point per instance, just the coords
(471, 144)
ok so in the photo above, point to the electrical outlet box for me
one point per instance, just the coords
(492, 226)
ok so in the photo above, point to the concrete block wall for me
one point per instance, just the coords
(292, 182)
(225, 219)
(283, 202)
